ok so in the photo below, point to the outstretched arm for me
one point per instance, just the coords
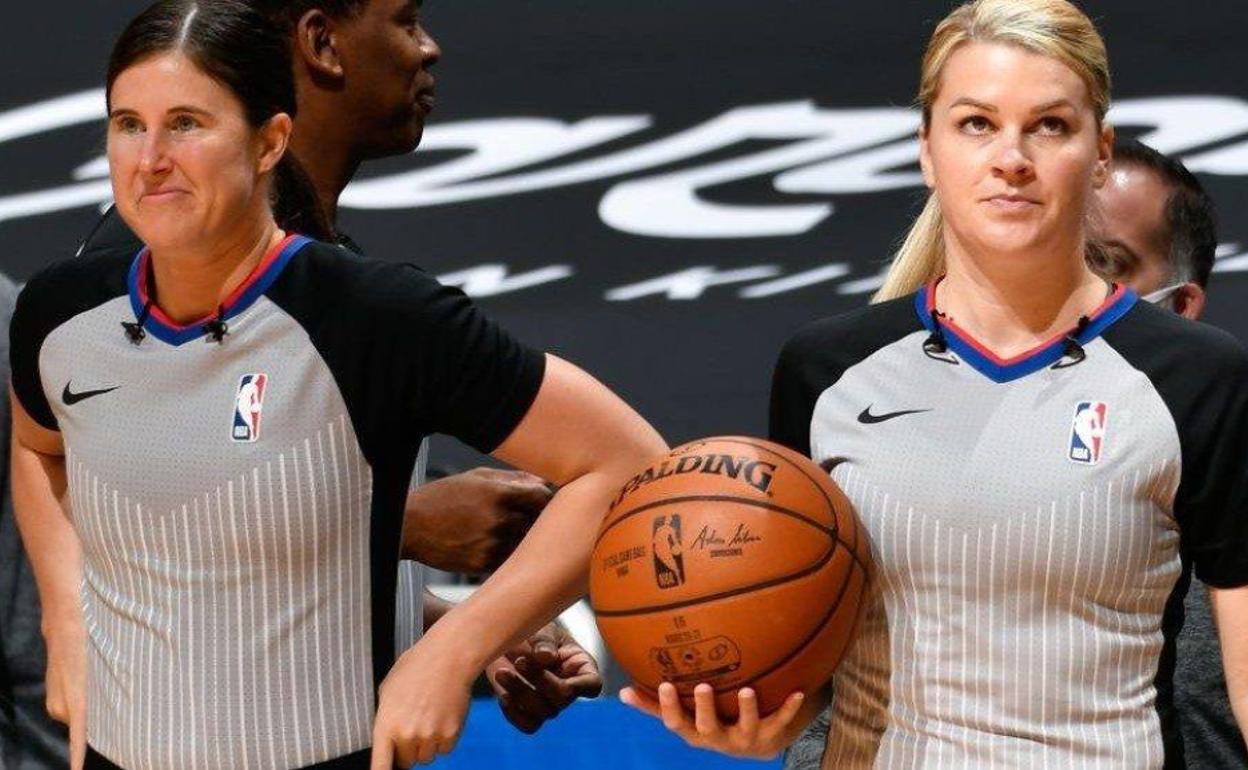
(584, 439)
(1230, 611)
(37, 457)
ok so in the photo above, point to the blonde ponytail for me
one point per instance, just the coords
(921, 258)
(1052, 28)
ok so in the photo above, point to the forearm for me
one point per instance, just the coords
(583, 438)
(52, 545)
(1237, 689)
(1230, 612)
(1239, 707)
(548, 572)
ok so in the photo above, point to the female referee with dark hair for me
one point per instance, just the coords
(234, 415)
(1035, 454)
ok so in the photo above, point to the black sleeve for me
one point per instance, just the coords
(33, 319)
(53, 296)
(1202, 375)
(57, 293)
(472, 379)
(814, 359)
(1212, 502)
(1211, 506)
(792, 398)
(410, 355)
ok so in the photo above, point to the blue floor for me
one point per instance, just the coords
(601, 734)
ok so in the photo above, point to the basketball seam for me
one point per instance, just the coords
(831, 533)
(811, 637)
(818, 628)
(774, 453)
(798, 468)
(818, 565)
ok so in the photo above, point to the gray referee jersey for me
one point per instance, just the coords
(409, 605)
(1030, 521)
(111, 233)
(240, 501)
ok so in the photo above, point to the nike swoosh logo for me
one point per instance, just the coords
(866, 418)
(1064, 363)
(830, 464)
(947, 358)
(69, 398)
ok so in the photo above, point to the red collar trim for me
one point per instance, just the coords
(258, 272)
(965, 336)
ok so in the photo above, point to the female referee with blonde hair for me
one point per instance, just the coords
(1038, 456)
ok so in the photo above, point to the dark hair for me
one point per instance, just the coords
(1189, 211)
(237, 45)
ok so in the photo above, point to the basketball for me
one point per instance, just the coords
(731, 561)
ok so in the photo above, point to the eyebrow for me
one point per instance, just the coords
(119, 111)
(967, 101)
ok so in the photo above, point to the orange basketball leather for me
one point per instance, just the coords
(731, 561)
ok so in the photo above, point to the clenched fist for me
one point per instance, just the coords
(472, 521)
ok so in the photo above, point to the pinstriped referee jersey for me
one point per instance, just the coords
(240, 502)
(1033, 523)
(111, 233)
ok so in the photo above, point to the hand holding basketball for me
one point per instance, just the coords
(749, 736)
(735, 563)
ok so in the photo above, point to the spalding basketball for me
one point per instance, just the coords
(731, 561)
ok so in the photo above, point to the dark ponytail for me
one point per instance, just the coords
(296, 206)
(244, 50)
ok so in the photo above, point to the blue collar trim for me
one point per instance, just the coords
(1034, 360)
(257, 284)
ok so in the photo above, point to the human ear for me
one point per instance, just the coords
(1189, 300)
(925, 159)
(1104, 156)
(274, 138)
(316, 44)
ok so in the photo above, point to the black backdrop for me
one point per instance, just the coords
(582, 151)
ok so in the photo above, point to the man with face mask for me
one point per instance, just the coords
(1155, 230)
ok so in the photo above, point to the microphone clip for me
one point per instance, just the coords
(217, 329)
(134, 329)
(134, 332)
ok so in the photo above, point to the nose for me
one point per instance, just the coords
(1012, 163)
(431, 52)
(154, 157)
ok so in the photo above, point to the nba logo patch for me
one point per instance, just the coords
(1087, 437)
(248, 403)
(669, 560)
